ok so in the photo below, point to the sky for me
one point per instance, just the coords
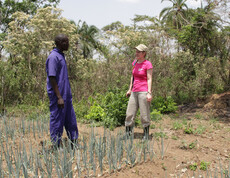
(104, 12)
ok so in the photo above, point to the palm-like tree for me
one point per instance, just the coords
(88, 41)
(175, 16)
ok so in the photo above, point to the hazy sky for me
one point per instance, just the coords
(103, 12)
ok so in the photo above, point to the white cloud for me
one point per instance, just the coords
(129, 1)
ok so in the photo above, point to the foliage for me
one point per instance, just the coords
(164, 105)
(115, 103)
(201, 36)
(9, 7)
(204, 165)
(193, 166)
(188, 130)
(177, 125)
(189, 53)
(88, 39)
(28, 42)
(155, 115)
(174, 16)
(96, 113)
(109, 108)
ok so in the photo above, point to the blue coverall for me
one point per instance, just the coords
(60, 117)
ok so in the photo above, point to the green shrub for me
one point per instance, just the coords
(109, 108)
(155, 115)
(96, 113)
(164, 105)
(81, 109)
(115, 104)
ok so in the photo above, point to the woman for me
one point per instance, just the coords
(140, 91)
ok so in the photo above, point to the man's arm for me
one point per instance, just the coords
(57, 92)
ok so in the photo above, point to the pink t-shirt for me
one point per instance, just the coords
(140, 75)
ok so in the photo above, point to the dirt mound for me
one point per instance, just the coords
(219, 104)
(218, 101)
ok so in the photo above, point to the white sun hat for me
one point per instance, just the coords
(141, 47)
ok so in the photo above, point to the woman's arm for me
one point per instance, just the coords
(149, 82)
(130, 87)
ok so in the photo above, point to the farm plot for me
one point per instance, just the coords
(179, 146)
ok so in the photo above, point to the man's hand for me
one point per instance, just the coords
(60, 103)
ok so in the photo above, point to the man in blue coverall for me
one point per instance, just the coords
(58, 87)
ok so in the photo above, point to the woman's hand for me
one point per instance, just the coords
(128, 93)
(149, 97)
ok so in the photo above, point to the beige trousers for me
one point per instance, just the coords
(138, 100)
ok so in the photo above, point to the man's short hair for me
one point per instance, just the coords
(59, 38)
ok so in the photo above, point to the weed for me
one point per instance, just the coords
(177, 125)
(198, 116)
(193, 166)
(163, 167)
(192, 145)
(152, 126)
(200, 130)
(174, 137)
(158, 135)
(184, 145)
(204, 165)
(189, 129)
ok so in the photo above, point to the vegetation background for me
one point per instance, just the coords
(189, 49)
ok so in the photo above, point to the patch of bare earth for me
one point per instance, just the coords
(209, 142)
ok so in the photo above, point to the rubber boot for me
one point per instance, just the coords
(74, 144)
(128, 131)
(146, 133)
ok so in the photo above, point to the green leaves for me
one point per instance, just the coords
(164, 105)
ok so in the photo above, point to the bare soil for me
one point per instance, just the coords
(209, 142)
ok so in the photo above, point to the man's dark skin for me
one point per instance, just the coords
(62, 43)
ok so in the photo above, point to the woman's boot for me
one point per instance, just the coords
(146, 133)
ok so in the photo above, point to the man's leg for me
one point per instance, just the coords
(71, 122)
(56, 123)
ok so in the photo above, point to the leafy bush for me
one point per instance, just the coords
(96, 113)
(164, 105)
(155, 115)
(115, 103)
(108, 108)
(81, 109)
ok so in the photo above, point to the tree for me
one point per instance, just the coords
(9, 7)
(113, 26)
(28, 43)
(174, 16)
(88, 41)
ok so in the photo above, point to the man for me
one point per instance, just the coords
(58, 87)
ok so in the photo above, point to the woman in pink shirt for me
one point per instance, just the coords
(140, 91)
